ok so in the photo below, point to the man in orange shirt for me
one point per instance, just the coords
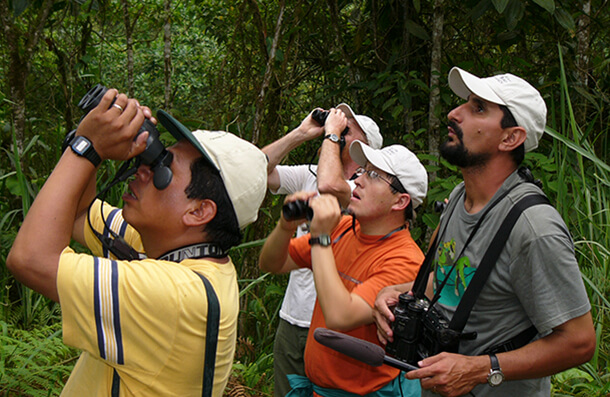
(352, 260)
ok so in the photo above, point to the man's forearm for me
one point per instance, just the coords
(274, 253)
(342, 311)
(569, 345)
(46, 230)
(331, 179)
(279, 149)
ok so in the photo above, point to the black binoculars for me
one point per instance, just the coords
(155, 155)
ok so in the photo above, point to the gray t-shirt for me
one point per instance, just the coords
(536, 279)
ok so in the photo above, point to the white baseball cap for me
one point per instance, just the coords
(519, 96)
(368, 126)
(242, 166)
(396, 160)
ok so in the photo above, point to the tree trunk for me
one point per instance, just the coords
(19, 59)
(260, 100)
(167, 53)
(435, 69)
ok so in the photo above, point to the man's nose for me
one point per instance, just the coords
(144, 173)
(456, 113)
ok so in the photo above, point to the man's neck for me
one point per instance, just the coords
(481, 183)
(381, 226)
(155, 247)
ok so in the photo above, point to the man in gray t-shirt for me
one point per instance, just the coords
(534, 283)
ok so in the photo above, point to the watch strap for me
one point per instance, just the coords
(323, 240)
(332, 137)
(87, 151)
(495, 365)
(495, 376)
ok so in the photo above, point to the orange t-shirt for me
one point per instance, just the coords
(366, 264)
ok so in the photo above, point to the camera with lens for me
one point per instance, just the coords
(298, 209)
(420, 331)
(155, 155)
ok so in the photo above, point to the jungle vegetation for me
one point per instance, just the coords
(257, 68)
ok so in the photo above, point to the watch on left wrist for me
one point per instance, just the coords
(83, 147)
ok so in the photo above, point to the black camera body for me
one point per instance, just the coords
(155, 155)
(420, 331)
(298, 209)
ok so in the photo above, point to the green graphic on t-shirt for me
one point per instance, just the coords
(459, 278)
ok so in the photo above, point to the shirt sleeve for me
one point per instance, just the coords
(547, 279)
(106, 306)
(300, 251)
(112, 221)
(294, 178)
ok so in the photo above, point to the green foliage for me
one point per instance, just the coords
(33, 363)
(373, 55)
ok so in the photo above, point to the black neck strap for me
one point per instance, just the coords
(195, 251)
(353, 228)
(421, 281)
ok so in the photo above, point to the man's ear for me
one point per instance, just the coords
(402, 202)
(200, 213)
(513, 138)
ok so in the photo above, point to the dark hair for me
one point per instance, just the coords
(409, 213)
(508, 121)
(206, 183)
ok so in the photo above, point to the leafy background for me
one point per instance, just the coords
(257, 68)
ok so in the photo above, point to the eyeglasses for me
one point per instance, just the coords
(375, 175)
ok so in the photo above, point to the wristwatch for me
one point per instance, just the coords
(495, 377)
(84, 148)
(323, 240)
(332, 137)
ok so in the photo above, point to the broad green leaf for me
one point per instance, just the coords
(514, 14)
(417, 31)
(19, 6)
(500, 5)
(578, 149)
(548, 5)
(417, 5)
(564, 19)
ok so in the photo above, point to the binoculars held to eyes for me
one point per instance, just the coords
(155, 155)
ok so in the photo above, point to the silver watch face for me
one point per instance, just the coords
(325, 240)
(495, 378)
(333, 137)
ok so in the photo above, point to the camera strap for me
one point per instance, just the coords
(421, 281)
(458, 322)
(194, 251)
(211, 343)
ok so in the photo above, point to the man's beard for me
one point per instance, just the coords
(457, 154)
